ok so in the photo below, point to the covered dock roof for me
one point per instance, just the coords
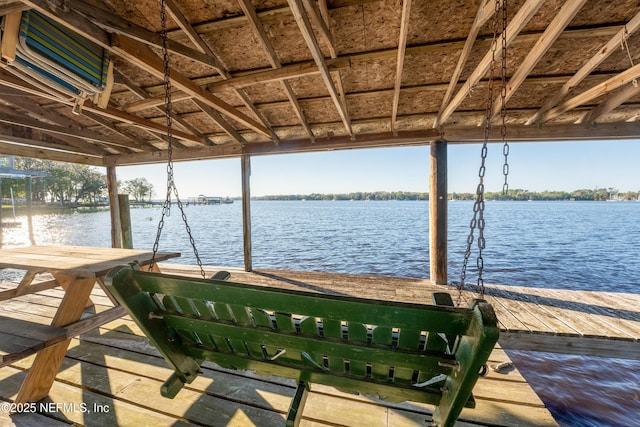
(277, 76)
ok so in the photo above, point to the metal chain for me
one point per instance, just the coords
(171, 185)
(478, 207)
(503, 102)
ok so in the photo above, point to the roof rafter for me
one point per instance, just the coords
(486, 10)
(141, 93)
(525, 13)
(402, 44)
(36, 149)
(550, 35)
(248, 78)
(304, 25)
(244, 79)
(319, 14)
(605, 87)
(610, 104)
(603, 53)
(258, 29)
(39, 113)
(195, 38)
(137, 54)
(14, 83)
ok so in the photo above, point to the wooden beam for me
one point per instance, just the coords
(141, 93)
(111, 112)
(602, 54)
(611, 103)
(184, 24)
(46, 144)
(568, 11)
(208, 50)
(402, 44)
(29, 148)
(220, 121)
(137, 54)
(244, 79)
(387, 139)
(62, 130)
(605, 87)
(322, 23)
(485, 12)
(114, 207)
(548, 132)
(115, 24)
(272, 56)
(522, 17)
(36, 110)
(245, 162)
(195, 38)
(307, 33)
(11, 7)
(571, 344)
(438, 213)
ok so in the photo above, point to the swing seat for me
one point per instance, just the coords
(394, 351)
(56, 59)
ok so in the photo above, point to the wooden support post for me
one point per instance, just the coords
(125, 221)
(114, 208)
(29, 196)
(246, 210)
(438, 213)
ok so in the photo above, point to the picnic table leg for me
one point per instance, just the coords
(48, 361)
(64, 280)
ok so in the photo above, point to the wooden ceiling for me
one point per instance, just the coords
(275, 76)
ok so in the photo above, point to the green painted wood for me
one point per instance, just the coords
(332, 328)
(297, 405)
(449, 320)
(382, 348)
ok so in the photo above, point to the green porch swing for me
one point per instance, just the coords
(391, 350)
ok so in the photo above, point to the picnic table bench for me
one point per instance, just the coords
(392, 350)
(77, 269)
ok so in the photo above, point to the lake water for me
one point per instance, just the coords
(562, 245)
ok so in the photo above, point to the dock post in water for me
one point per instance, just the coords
(246, 210)
(114, 208)
(438, 213)
(125, 221)
(29, 196)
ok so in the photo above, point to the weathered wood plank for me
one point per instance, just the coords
(115, 346)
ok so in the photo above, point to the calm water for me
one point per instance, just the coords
(564, 245)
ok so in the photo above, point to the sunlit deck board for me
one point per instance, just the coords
(116, 367)
(576, 322)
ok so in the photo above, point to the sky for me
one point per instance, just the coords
(561, 166)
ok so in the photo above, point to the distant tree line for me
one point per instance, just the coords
(377, 195)
(72, 184)
(598, 194)
(69, 184)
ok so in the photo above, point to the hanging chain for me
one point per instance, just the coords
(478, 207)
(171, 185)
(503, 101)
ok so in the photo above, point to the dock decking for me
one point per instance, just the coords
(112, 376)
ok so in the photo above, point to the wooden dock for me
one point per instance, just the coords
(112, 375)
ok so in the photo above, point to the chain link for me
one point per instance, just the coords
(503, 101)
(171, 185)
(478, 207)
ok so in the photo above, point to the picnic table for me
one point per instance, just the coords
(76, 269)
